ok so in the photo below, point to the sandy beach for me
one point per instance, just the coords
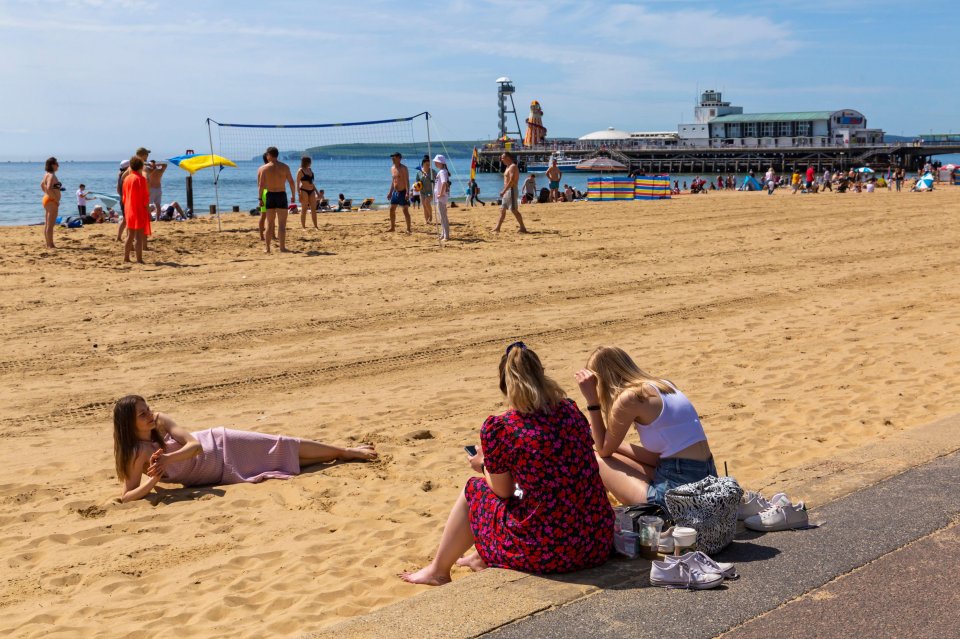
(799, 325)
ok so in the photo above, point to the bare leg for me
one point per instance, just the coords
(626, 478)
(503, 216)
(263, 222)
(303, 210)
(393, 218)
(49, 223)
(313, 202)
(406, 216)
(139, 242)
(516, 214)
(473, 561)
(270, 228)
(282, 229)
(123, 226)
(312, 452)
(128, 246)
(456, 539)
(427, 211)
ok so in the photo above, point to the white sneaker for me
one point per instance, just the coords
(780, 517)
(755, 503)
(677, 574)
(666, 542)
(703, 562)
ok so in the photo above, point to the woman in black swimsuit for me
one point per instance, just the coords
(308, 192)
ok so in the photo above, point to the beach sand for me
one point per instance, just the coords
(800, 326)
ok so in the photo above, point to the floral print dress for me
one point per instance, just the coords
(563, 521)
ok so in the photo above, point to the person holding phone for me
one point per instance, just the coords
(540, 448)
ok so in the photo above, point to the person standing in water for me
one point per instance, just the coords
(509, 195)
(52, 192)
(274, 177)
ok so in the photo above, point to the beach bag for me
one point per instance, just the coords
(709, 506)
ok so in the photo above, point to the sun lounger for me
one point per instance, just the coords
(366, 205)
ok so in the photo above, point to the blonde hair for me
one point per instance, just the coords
(523, 381)
(616, 372)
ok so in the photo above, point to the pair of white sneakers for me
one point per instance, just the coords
(692, 570)
(779, 513)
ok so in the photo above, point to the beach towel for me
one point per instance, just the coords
(710, 507)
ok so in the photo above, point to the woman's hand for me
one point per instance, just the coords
(587, 382)
(476, 462)
(158, 463)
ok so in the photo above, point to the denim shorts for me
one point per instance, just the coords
(673, 472)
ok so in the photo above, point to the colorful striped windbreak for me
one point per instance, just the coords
(652, 188)
(606, 189)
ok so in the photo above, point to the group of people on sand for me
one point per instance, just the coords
(432, 187)
(538, 502)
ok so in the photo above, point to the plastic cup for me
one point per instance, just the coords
(684, 539)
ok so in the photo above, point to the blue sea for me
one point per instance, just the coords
(20, 184)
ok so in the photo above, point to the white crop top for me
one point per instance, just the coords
(677, 427)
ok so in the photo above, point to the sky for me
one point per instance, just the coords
(94, 79)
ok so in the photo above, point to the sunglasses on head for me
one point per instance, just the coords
(519, 345)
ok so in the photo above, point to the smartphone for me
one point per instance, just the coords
(471, 450)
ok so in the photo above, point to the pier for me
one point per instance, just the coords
(728, 159)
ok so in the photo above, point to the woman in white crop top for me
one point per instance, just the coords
(674, 448)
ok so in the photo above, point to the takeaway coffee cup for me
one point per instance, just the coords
(684, 540)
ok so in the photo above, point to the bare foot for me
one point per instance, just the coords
(140, 262)
(473, 562)
(496, 229)
(523, 230)
(362, 453)
(425, 577)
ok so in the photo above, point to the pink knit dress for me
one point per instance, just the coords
(234, 456)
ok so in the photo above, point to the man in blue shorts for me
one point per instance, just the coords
(399, 191)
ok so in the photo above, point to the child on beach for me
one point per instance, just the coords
(673, 450)
(443, 194)
(152, 444)
(82, 197)
(562, 521)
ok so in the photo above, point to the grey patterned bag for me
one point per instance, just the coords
(709, 506)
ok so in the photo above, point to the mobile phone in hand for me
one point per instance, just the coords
(471, 450)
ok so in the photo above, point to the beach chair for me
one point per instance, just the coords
(345, 206)
(366, 205)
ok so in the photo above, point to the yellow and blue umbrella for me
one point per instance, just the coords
(193, 163)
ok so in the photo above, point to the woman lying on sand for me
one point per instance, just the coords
(149, 443)
(674, 448)
(563, 520)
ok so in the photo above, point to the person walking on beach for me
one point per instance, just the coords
(443, 194)
(154, 176)
(273, 178)
(827, 180)
(399, 190)
(810, 176)
(542, 445)
(152, 444)
(308, 192)
(52, 192)
(898, 179)
(475, 193)
(530, 188)
(770, 179)
(509, 194)
(425, 177)
(136, 198)
(554, 175)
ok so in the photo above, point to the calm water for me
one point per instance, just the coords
(20, 184)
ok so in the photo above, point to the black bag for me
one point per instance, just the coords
(628, 517)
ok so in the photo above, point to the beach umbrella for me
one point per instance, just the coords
(865, 169)
(925, 183)
(193, 163)
(110, 201)
(601, 165)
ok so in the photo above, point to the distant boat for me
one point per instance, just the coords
(563, 163)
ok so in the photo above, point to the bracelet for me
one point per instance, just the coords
(593, 407)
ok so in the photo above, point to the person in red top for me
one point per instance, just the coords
(540, 505)
(136, 200)
(810, 176)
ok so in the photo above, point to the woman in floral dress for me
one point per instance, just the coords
(540, 506)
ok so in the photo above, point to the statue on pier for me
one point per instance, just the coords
(536, 132)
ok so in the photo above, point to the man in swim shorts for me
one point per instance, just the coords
(155, 173)
(511, 181)
(273, 177)
(399, 190)
(554, 175)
